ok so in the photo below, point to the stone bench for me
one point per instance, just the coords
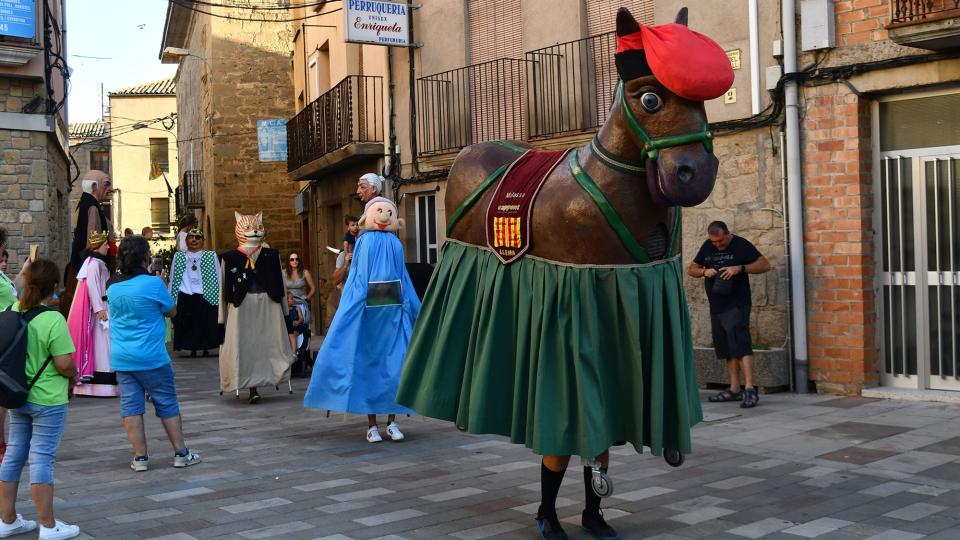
(771, 369)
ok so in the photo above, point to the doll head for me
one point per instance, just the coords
(249, 230)
(381, 214)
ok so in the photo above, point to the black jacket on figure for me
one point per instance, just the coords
(238, 279)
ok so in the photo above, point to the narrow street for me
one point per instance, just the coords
(794, 467)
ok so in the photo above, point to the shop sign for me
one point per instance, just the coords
(378, 23)
(272, 139)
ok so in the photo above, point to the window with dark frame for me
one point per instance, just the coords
(160, 154)
(100, 160)
(160, 214)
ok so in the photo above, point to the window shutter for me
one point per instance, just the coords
(602, 14)
(496, 30)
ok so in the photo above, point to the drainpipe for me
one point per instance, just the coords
(754, 57)
(795, 197)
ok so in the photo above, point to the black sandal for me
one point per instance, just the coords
(750, 398)
(725, 396)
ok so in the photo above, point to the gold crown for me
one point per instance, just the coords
(96, 239)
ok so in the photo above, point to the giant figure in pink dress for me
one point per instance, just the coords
(89, 322)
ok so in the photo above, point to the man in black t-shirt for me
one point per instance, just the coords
(724, 260)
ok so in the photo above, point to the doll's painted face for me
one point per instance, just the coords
(381, 216)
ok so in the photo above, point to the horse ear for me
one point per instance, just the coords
(682, 16)
(626, 24)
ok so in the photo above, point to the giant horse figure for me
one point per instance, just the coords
(563, 324)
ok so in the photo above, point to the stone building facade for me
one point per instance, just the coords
(231, 74)
(144, 162)
(89, 150)
(34, 181)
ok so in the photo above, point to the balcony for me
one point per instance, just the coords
(472, 104)
(190, 193)
(342, 126)
(571, 86)
(558, 91)
(925, 24)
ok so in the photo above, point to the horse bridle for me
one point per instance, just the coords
(651, 145)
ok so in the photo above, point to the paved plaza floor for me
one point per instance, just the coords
(794, 467)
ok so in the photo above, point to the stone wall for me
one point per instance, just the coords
(748, 198)
(250, 79)
(33, 195)
(15, 94)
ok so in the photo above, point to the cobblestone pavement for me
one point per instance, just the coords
(794, 467)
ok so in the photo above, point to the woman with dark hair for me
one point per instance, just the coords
(138, 304)
(187, 222)
(36, 427)
(297, 279)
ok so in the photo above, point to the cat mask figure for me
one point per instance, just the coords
(249, 230)
(381, 214)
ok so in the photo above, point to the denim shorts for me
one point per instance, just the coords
(158, 382)
(35, 432)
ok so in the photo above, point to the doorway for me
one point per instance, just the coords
(919, 240)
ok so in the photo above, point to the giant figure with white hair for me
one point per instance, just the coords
(97, 187)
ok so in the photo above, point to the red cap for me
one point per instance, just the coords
(687, 63)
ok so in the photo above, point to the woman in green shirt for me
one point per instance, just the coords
(36, 427)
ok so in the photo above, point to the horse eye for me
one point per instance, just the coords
(651, 102)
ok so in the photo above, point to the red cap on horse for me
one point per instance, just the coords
(687, 63)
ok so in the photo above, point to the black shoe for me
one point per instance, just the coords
(594, 524)
(550, 528)
(193, 354)
(254, 397)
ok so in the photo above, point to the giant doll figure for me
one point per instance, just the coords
(256, 349)
(88, 321)
(358, 366)
(561, 322)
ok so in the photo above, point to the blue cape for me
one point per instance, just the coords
(359, 364)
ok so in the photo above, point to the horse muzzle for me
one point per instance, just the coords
(677, 178)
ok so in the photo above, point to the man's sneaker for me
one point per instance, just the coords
(139, 464)
(59, 531)
(185, 461)
(18, 526)
(594, 524)
(393, 430)
(550, 528)
(373, 434)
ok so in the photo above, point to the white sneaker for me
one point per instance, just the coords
(393, 430)
(59, 531)
(139, 465)
(373, 435)
(18, 526)
(185, 461)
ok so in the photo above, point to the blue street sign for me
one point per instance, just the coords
(272, 139)
(18, 18)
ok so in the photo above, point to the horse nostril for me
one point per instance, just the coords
(685, 173)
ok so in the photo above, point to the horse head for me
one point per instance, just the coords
(670, 131)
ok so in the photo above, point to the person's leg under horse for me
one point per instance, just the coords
(592, 519)
(552, 469)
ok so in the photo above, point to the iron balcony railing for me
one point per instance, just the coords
(193, 189)
(571, 85)
(905, 12)
(350, 112)
(561, 89)
(472, 104)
